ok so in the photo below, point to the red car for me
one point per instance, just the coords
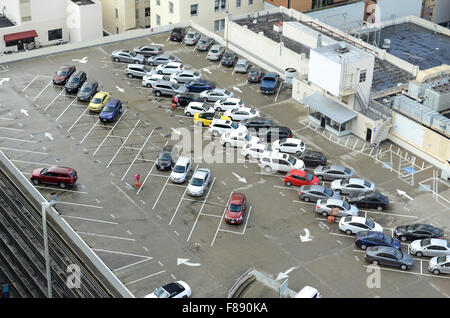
(62, 74)
(234, 213)
(300, 178)
(61, 176)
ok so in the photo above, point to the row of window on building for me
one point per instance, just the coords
(219, 5)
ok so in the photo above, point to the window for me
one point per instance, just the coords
(250, 2)
(137, 13)
(238, 3)
(220, 5)
(55, 34)
(25, 10)
(170, 7)
(117, 30)
(158, 20)
(147, 12)
(117, 13)
(158, 2)
(362, 76)
(194, 9)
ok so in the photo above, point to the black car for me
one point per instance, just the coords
(274, 133)
(370, 200)
(312, 158)
(257, 123)
(177, 34)
(254, 75)
(165, 159)
(87, 91)
(63, 74)
(413, 232)
(182, 100)
(229, 59)
(75, 81)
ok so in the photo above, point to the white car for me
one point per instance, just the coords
(326, 206)
(237, 139)
(215, 94)
(308, 292)
(289, 145)
(256, 150)
(199, 182)
(241, 113)
(169, 68)
(195, 107)
(276, 161)
(429, 247)
(227, 104)
(222, 126)
(355, 224)
(149, 80)
(438, 265)
(178, 289)
(186, 76)
(181, 170)
(352, 186)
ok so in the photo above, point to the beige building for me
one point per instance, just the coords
(208, 13)
(122, 15)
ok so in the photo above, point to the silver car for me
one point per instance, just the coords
(161, 59)
(127, 56)
(216, 52)
(186, 76)
(352, 186)
(162, 87)
(148, 50)
(313, 193)
(333, 172)
(138, 70)
(181, 170)
(215, 94)
(429, 247)
(204, 44)
(324, 207)
(390, 256)
(199, 182)
(192, 38)
(439, 265)
(242, 66)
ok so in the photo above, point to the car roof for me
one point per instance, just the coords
(318, 188)
(334, 201)
(313, 153)
(113, 101)
(278, 155)
(220, 90)
(375, 234)
(385, 249)
(357, 181)
(59, 169)
(338, 167)
(101, 94)
(216, 46)
(270, 75)
(293, 140)
(241, 60)
(358, 219)
(201, 173)
(231, 99)
(220, 121)
(183, 161)
(281, 128)
(187, 71)
(196, 104)
(164, 82)
(439, 242)
(172, 64)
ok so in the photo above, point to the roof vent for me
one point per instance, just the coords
(342, 48)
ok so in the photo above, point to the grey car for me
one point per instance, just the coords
(439, 265)
(186, 76)
(242, 66)
(215, 94)
(192, 38)
(127, 56)
(313, 193)
(429, 247)
(161, 59)
(204, 44)
(162, 87)
(333, 172)
(389, 256)
(148, 50)
(138, 70)
(324, 207)
(199, 182)
(352, 186)
(216, 52)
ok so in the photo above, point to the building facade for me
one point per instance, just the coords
(307, 5)
(437, 11)
(122, 15)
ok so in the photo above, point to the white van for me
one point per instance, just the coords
(308, 292)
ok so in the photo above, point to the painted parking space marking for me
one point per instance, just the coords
(32, 163)
(79, 204)
(110, 132)
(23, 150)
(60, 115)
(137, 155)
(107, 236)
(54, 99)
(40, 93)
(88, 219)
(16, 139)
(90, 130)
(120, 148)
(140, 279)
(59, 189)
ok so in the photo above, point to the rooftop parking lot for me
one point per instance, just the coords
(141, 233)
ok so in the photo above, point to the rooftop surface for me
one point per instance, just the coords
(417, 45)
(5, 22)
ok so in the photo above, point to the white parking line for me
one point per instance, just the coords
(138, 280)
(80, 204)
(112, 129)
(14, 129)
(23, 90)
(131, 132)
(137, 155)
(107, 236)
(87, 219)
(5, 118)
(42, 91)
(15, 139)
(391, 214)
(59, 189)
(132, 264)
(23, 150)
(51, 103)
(162, 190)
(85, 111)
(90, 130)
(220, 223)
(32, 162)
(66, 109)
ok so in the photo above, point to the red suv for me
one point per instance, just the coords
(235, 210)
(63, 74)
(300, 178)
(61, 176)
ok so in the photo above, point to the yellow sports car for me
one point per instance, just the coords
(205, 119)
(99, 101)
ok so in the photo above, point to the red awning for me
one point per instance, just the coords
(20, 36)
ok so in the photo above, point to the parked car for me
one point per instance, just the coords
(269, 83)
(138, 70)
(112, 109)
(429, 247)
(274, 133)
(235, 209)
(181, 170)
(289, 145)
(196, 107)
(204, 44)
(242, 66)
(215, 52)
(312, 158)
(255, 75)
(365, 239)
(169, 68)
(99, 101)
(182, 100)
(314, 193)
(178, 34)
(148, 50)
(333, 172)
(165, 160)
(227, 104)
(63, 74)
(187, 76)
(237, 139)
(161, 59)
(255, 150)
(150, 80)
(178, 289)
(199, 182)
(221, 126)
(308, 292)
(229, 59)
(354, 224)
(276, 161)
(87, 91)
(389, 256)
(369, 200)
(417, 232)
(127, 56)
(257, 123)
(438, 265)
(344, 209)
(199, 86)
(299, 178)
(75, 81)
(205, 119)
(352, 186)
(163, 87)
(62, 176)
(216, 94)
(242, 113)
(192, 38)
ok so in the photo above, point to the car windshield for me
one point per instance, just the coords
(234, 125)
(268, 148)
(179, 169)
(253, 111)
(282, 141)
(203, 41)
(190, 35)
(43, 171)
(76, 80)
(370, 223)
(269, 79)
(109, 108)
(165, 156)
(310, 177)
(87, 88)
(387, 239)
(197, 182)
(214, 51)
(397, 253)
(61, 73)
(292, 160)
(161, 293)
(346, 205)
(367, 184)
(133, 54)
(97, 100)
(247, 137)
(235, 207)
(328, 192)
(344, 182)
(347, 171)
(147, 68)
(227, 93)
(241, 64)
(175, 86)
(425, 242)
(441, 259)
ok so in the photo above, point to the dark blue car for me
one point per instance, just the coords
(269, 83)
(111, 110)
(200, 86)
(365, 239)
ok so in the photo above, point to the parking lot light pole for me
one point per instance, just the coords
(44, 206)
